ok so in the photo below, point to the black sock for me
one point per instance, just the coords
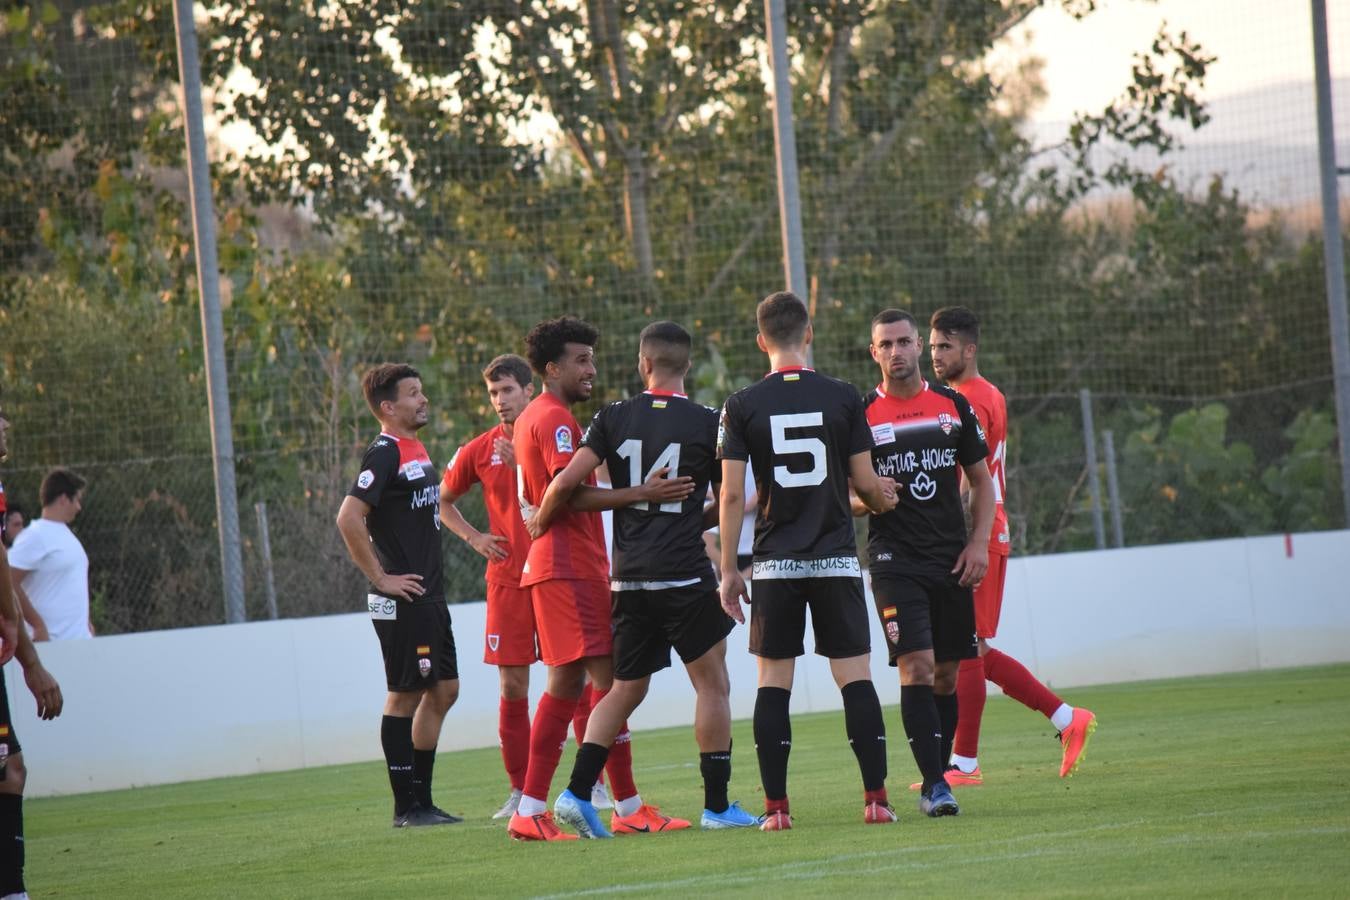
(919, 714)
(947, 713)
(586, 770)
(866, 729)
(773, 740)
(423, 762)
(396, 739)
(11, 844)
(716, 771)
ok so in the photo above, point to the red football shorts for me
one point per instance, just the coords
(989, 596)
(510, 627)
(572, 617)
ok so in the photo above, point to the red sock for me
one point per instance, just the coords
(970, 696)
(546, 743)
(1019, 684)
(619, 765)
(876, 796)
(513, 728)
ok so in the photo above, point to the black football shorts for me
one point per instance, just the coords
(648, 623)
(838, 616)
(416, 640)
(925, 612)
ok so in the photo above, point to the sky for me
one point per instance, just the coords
(1258, 43)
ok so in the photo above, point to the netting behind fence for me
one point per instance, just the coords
(423, 182)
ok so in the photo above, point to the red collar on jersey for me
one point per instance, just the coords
(660, 393)
(790, 369)
(881, 390)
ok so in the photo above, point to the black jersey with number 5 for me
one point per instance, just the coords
(798, 428)
(636, 437)
(402, 487)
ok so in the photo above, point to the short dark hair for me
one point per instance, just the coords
(509, 365)
(380, 383)
(15, 509)
(782, 319)
(60, 483)
(959, 321)
(548, 340)
(891, 316)
(667, 345)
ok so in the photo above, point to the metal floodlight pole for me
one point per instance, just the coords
(213, 329)
(785, 151)
(1113, 488)
(1093, 477)
(1332, 253)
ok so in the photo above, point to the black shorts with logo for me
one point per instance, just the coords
(778, 615)
(649, 622)
(416, 640)
(7, 735)
(925, 612)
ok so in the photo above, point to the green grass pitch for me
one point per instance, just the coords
(1218, 786)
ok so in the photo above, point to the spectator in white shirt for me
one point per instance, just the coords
(50, 568)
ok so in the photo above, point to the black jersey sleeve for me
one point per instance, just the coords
(379, 467)
(972, 447)
(597, 433)
(731, 442)
(860, 433)
(710, 435)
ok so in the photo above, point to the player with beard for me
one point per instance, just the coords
(389, 523)
(567, 573)
(954, 344)
(664, 591)
(15, 642)
(923, 563)
(807, 438)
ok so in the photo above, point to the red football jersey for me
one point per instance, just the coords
(478, 463)
(992, 411)
(546, 438)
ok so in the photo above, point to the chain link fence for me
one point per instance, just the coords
(423, 182)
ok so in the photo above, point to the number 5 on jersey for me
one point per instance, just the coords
(786, 446)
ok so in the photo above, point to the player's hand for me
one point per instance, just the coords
(660, 488)
(45, 690)
(404, 587)
(506, 450)
(491, 547)
(533, 527)
(733, 592)
(9, 639)
(972, 563)
(890, 491)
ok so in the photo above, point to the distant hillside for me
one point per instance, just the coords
(1264, 143)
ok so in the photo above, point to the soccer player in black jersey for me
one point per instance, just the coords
(807, 438)
(15, 642)
(923, 563)
(664, 590)
(389, 523)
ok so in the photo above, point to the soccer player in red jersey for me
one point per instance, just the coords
(388, 520)
(954, 343)
(567, 573)
(509, 641)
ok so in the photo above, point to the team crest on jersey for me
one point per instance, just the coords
(494, 640)
(563, 439)
(946, 422)
(412, 470)
(365, 479)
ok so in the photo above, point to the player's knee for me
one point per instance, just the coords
(447, 692)
(401, 704)
(515, 683)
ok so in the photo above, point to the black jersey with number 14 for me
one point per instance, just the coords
(636, 437)
(402, 488)
(798, 428)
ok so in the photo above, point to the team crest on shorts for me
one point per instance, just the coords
(494, 640)
(424, 661)
(945, 422)
(892, 626)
